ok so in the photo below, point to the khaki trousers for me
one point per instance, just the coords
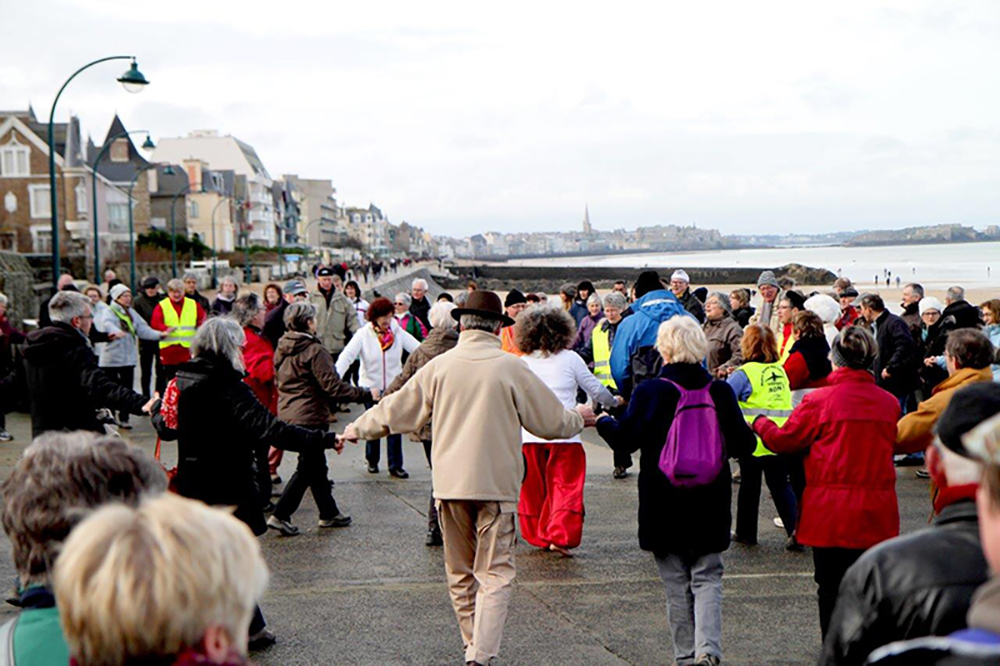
(479, 540)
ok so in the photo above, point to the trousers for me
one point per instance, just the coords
(393, 446)
(311, 474)
(149, 358)
(550, 509)
(694, 604)
(479, 540)
(124, 375)
(775, 471)
(830, 566)
(274, 458)
(432, 513)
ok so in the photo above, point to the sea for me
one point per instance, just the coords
(971, 265)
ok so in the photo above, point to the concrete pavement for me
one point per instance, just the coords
(373, 593)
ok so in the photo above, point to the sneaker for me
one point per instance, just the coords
(5, 436)
(285, 527)
(779, 523)
(262, 639)
(708, 660)
(399, 473)
(620, 473)
(434, 539)
(923, 473)
(372, 468)
(340, 520)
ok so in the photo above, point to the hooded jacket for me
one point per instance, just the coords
(220, 424)
(639, 331)
(307, 381)
(66, 385)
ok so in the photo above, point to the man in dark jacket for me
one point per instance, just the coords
(420, 307)
(912, 293)
(896, 367)
(980, 642)
(149, 350)
(920, 584)
(680, 284)
(958, 312)
(65, 384)
(191, 291)
(64, 283)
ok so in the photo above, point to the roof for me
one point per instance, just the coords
(252, 158)
(169, 185)
(118, 172)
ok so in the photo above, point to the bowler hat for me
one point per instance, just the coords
(483, 304)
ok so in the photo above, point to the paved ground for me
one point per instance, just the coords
(373, 593)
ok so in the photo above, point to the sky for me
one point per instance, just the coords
(464, 117)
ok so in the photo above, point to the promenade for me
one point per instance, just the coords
(373, 593)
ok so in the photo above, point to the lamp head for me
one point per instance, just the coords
(133, 81)
(148, 143)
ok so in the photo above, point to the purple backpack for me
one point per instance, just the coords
(694, 451)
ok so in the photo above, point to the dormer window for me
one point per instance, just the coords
(119, 150)
(15, 159)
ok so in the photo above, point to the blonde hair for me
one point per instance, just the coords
(150, 582)
(681, 340)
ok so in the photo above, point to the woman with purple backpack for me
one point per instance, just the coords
(686, 425)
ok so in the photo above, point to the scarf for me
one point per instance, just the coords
(386, 339)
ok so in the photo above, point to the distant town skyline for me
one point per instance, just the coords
(459, 119)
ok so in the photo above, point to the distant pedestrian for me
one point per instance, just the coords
(595, 314)
(223, 303)
(145, 302)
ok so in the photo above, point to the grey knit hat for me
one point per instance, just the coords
(767, 277)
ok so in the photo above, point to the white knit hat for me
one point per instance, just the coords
(680, 274)
(929, 303)
(117, 291)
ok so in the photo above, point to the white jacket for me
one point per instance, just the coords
(378, 368)
(565, 372)
(123, 352)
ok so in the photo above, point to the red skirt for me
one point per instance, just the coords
(551, 505)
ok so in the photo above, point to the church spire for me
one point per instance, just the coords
(587, 229)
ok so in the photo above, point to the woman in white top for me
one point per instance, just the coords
(551, 505)
(379, 345)
(353, 293)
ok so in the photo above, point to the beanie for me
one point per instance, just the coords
(767, 277)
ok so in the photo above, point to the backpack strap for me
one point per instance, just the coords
(7, 641)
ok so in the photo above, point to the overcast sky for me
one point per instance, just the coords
(465, 117)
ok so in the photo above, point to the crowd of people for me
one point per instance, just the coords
(820, 395)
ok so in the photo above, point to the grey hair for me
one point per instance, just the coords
(405, 297)
(723, 301)
(3, 299)
(229, 279)
(419, 282)
(59, 478)
(176, 285)
(472, 322)
(189, 276)
(298, 315)
(461, 298)
(615, 300)
(955, 294)
(66, 305)
(440, 315)
(594, 298)
(917, 288)
(246, 307)
(221, 337)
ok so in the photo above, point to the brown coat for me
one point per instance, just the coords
(438, 341)
(915, 431)
(307, 381)
(724, 337)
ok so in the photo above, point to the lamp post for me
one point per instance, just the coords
(131, 224)
(173, 227)
(214, 268)
(133, 82)
(147, 145)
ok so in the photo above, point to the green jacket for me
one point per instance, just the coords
(38, 636)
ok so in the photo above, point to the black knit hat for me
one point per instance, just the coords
(969, 407)
(514, 296)
(796, 299)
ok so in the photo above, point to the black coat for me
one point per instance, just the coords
(742, 315)
(916, 585)
(684, 521)
(220, 425)
(420, 309)
(693, 305)
(274, 324)
(960, 314)
(65, 384)
(897, 352)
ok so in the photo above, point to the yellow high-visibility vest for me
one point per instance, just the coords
(771, 397)
(602, 356)
(184, 326)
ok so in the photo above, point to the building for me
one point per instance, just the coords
(124, 166)
(211, 214)
(322, 222)
(168, 203)
(227, 153)
(371, 228)
(25, 219)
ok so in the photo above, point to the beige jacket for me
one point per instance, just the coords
(334, 323)
(480, 398)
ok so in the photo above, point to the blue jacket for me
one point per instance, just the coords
(640, 330)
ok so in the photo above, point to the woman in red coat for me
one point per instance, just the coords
(849, 427)
(258, 357)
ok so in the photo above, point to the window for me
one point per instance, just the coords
(118, 217)
(40, 204)
(41, 240)
(15, 159)
(81, 198)
(119, 150)
(195, 213)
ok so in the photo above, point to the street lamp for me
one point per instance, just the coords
(214, 268)
(147, 145)
(131, 225)
(173, 226)
(133, 81)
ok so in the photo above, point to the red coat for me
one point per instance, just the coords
(850, 430)
(258, 357)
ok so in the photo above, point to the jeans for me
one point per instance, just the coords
(125, 376)
(775, 472)
(432, 512)
(310, 473)
(831, 564)
(393, 445)
(694, 604)
(149, 357)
